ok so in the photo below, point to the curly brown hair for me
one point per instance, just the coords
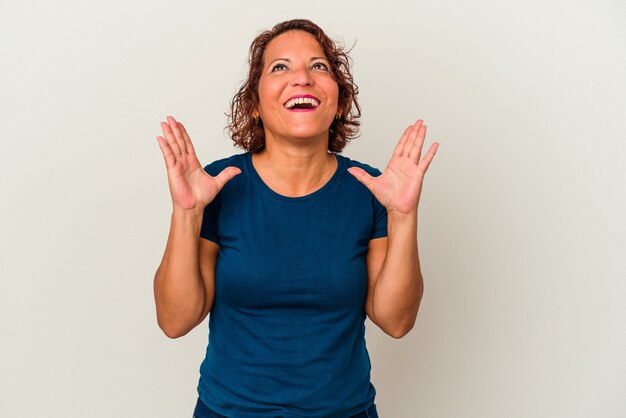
(247, 131)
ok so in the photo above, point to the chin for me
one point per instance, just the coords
(309, 135)
(306, 132)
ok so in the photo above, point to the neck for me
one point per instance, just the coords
(295, 171)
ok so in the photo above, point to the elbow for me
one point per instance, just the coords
(396, 328)
(400, 330)
(171, 330)
(172, 333)
(400, 324)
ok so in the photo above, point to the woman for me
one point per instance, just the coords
(289, 245)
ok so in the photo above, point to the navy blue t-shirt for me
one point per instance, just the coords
(287, 331)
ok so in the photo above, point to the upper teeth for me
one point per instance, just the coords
(301, 100)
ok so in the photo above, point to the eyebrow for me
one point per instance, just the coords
(288, 60)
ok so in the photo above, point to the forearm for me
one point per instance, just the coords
(399, 286)
(178, 286)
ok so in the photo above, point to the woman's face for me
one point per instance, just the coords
(297, 94)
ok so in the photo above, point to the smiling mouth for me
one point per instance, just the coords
(302, 103)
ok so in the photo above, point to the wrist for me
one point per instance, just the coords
(402, 217)
(187, 215)
(402, 224)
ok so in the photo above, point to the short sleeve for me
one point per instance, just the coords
(211, 211)
(379, 228)
(209, 222)
(211, 217)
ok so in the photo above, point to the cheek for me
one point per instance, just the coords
(263, 91)
(335, 93)
(268, 96)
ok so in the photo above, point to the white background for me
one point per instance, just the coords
(522, 233)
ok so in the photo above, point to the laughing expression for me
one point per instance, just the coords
(297, 94)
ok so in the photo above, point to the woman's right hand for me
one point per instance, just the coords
(190, 186)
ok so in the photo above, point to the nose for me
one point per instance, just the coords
(301, 77)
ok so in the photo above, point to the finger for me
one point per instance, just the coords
(363, 176)
(188, 144)
(410, 140)
(171, 140)
(168, 155)
(425, 163)
(401, 142)
(411, 134)
(415, 128)
(177, 134)
(416, 147)
(225, 176)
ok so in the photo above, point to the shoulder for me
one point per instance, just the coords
(217, 166)
(372, 171)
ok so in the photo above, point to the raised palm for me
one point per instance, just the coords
(399, 187)
(190, 186)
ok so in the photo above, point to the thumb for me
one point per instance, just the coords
(362, 176)
(225, 175)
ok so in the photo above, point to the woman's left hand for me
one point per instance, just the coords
(399, 187)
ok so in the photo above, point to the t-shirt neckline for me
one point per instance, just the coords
(257, 178)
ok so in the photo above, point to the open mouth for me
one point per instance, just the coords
(302, 103)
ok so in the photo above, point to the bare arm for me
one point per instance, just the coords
(183, 283)
(395, 284)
